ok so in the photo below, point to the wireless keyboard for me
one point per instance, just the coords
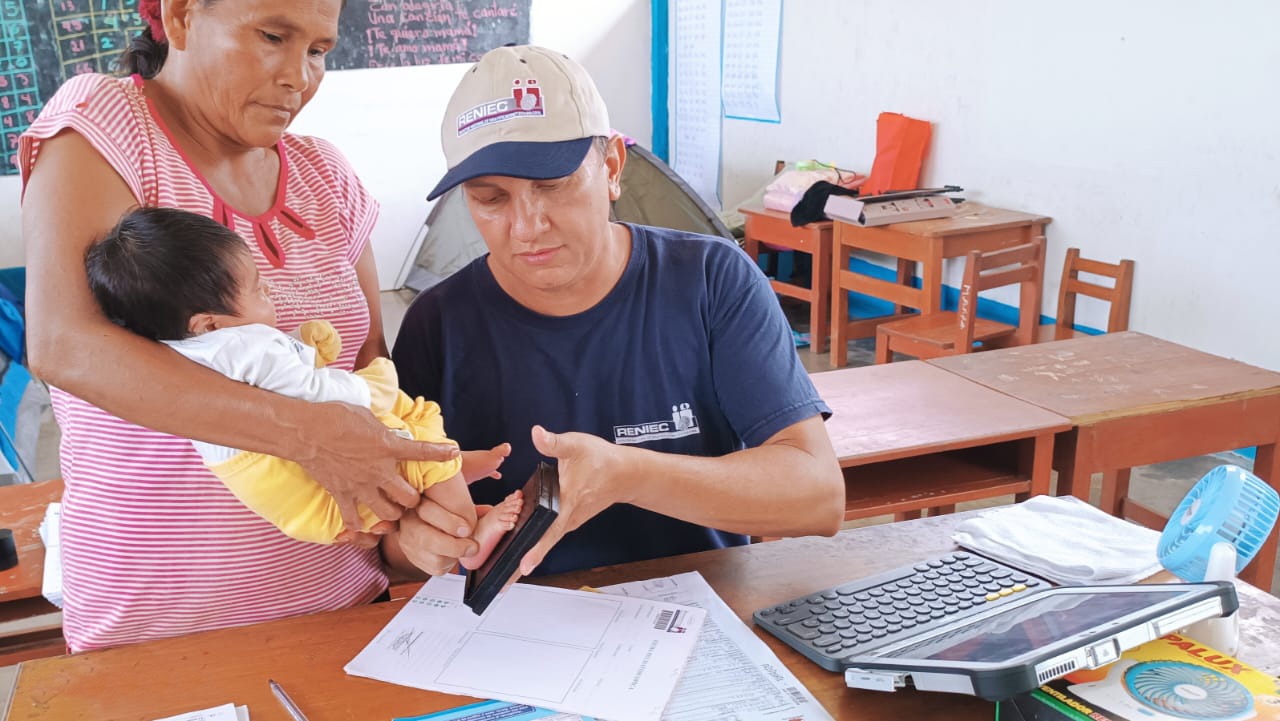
(856, 617)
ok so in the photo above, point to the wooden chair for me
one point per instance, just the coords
(1072, 286)
(945, 333)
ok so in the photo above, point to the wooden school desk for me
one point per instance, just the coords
(1135, 400)
(306, 654)
(910, 436)
(774, 228)
(22, 508)
(927, 242)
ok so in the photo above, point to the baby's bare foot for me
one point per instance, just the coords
(508, 511)
(493, 523)
(484, 464)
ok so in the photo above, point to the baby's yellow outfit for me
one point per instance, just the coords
(280, 490)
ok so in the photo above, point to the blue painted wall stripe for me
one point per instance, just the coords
(658, 78)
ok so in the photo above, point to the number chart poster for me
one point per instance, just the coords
(44, 42)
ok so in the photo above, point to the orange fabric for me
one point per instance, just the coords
(901, 144)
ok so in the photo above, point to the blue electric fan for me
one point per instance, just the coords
(1228, 505)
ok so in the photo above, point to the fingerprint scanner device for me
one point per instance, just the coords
(1003, 644)
(541, 506)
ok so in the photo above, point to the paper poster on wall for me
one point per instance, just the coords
(695, 63)
(752, 41)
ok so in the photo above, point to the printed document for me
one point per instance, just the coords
(225, 712)
(613, 657)
(694, 71)
(732, 674)
(749, 75)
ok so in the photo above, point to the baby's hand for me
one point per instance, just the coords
(484, 464)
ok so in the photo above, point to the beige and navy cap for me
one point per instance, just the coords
(524, 112)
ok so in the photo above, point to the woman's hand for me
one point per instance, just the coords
(356, 459)
(589, 468)
(430, 539)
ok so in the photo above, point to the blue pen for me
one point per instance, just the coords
(287, 702)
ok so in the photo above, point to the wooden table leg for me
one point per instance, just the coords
(1115, 488)
(1073, 469)
(1036, 462)
(931, 285)
(1260, 571)
(751, 245)
(906, 271)
(820, 305)
(839, 306)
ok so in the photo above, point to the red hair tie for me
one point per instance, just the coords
(149, 11)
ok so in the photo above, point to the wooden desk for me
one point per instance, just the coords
(911, 436)
(774, 228)
(1136, 400)
(928, 242)
(22, 509)
(306, 654)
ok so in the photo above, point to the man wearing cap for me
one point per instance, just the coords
(653, 366)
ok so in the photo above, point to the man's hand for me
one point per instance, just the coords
(589, 468)
(355, 458)
(433, 539)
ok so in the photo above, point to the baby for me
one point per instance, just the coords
(191, 283)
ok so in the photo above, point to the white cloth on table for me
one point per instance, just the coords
(1064, 540)
(51, 537)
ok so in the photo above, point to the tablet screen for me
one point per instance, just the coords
(1039, 622)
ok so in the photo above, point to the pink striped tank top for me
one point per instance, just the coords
(153, 544)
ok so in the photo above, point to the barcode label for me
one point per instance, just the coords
(664, 620)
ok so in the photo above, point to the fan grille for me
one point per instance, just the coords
(1228, 504)
(1187, 691)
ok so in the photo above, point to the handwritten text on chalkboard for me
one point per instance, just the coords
(389, 33)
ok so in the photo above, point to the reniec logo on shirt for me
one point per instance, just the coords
(682, 423)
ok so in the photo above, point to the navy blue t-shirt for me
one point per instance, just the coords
(689, 353)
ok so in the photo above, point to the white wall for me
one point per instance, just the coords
(387, 121)
(1146, 129)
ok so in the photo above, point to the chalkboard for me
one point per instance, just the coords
(44, 42)
(392, 33)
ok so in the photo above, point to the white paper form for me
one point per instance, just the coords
(611, 657)
(752, 37)
(695, 77)
(225, 712)
(733, 676)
